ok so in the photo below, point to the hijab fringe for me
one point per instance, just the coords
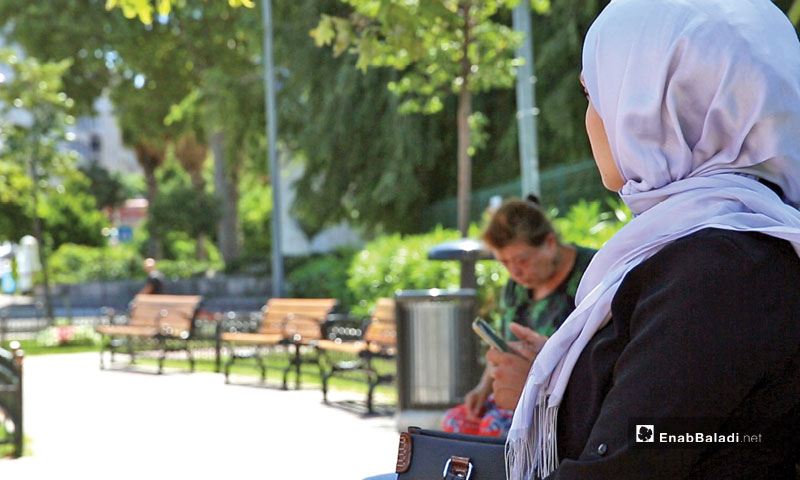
(537, 451)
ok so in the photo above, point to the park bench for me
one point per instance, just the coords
(165, 322)
(379, 340)
(11, 399)
(288, 325)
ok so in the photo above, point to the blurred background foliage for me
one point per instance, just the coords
(186, 85)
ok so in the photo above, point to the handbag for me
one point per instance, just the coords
(433, 455)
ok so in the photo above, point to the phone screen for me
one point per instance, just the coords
(489, 335)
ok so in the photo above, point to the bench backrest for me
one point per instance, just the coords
(296, 317)
(382, 328)
(175, 313)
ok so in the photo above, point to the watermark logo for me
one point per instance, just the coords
(645, 433)
(686, 433)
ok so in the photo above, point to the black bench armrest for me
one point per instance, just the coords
(343, 327)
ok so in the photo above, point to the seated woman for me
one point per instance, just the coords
(687, 325)
(537, 298)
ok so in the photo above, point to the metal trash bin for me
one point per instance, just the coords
(437, 361)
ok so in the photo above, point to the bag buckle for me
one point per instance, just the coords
(457, 467)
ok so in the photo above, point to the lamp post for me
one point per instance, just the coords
(526, 103)
(274, 164)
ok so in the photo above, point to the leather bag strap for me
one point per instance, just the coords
(457, 468)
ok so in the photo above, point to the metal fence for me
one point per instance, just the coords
(562, 187)
(25, 321)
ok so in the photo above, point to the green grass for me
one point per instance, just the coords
(30, 347)
(7, 449)
(309, 374)
(347, 382)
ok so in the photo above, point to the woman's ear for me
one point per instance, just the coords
(551, 241)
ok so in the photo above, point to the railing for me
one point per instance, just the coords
(11, 398)
(562, 187)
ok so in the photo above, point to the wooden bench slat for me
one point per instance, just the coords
(127, 330)
(378, 340)
(262, 338)
(157, 317)
(292, 321)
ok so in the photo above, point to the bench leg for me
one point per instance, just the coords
(298, 362)
(191, 357)
(131, 352)
(229, 363)
(112, 348)
(294, 361)
(324, 376)
(102, 351)
(218, 348)
(261, 365)
(288, 369)
(370, 391)
(161, 343)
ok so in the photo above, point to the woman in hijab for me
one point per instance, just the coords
(682, 357)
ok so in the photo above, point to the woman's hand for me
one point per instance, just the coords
(511, 369)
(476, 398)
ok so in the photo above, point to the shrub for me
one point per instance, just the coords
(323, 276)
(398, 262)
(590, 225)
(187, 268)
(74, 335)
(72, 264)
(78, 263)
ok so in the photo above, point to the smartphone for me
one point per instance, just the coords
(489, 335)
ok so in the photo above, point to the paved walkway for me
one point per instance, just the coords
(85, 423)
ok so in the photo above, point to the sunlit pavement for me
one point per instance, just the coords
(87, 423)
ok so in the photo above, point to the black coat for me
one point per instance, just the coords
(704, 336)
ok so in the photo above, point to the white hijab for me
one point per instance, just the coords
(700, 99)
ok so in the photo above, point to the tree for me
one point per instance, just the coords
(106, 187)
(35, 114)
(16, 187)
(558, 41)
(453, 46)
(35, 117)
(226, 101)
(180, 206)
(364, 162)
(142, 71)
(144, 9)
(68, 209)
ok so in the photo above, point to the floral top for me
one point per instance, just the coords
(545, 315)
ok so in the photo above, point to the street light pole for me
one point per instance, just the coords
(526, 103)
(37, 232)
(274, 164)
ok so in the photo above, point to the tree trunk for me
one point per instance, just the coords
(200, 250)
(227, 227)
(154, 245)
(38, 232)
(192, 156)
(464, 111)
(149, 159)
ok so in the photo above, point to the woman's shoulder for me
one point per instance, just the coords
(723, 259)
(725, 247)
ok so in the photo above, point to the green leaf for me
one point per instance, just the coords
(324, 33)
(164, 7)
